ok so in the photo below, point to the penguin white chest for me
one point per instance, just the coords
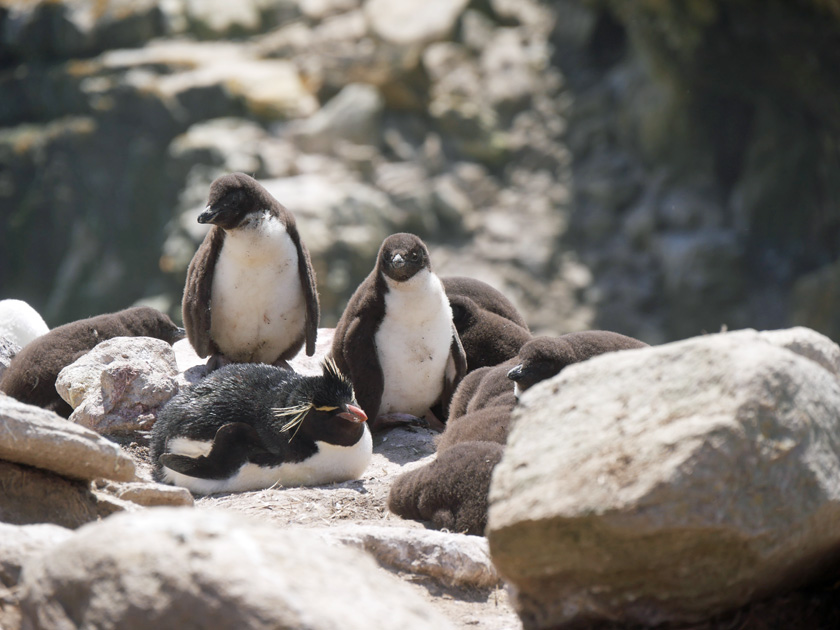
(413, 344)
(257, 309)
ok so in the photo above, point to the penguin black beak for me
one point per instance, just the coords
(398, 261)
(180, 333)
(210, 213)
(353, 414)
(515, 373)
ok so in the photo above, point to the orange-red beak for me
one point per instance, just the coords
(353, 414)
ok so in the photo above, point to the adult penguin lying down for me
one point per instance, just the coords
(250, 426)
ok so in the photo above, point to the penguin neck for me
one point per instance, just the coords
(258, 240)
(417, 300)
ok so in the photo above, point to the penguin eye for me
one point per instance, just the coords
(326, 408)
(414, 255)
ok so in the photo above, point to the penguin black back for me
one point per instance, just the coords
(264, 417)
(32, 373)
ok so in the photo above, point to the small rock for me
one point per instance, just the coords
(37, 437)
(452, 559)
(353, 115)
(20, 323)
(120, 385)
(413, 22)
(147, 493)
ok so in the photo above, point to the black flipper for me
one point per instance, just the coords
(233, 445)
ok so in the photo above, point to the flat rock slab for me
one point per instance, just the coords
(672, 483)
(36, 437)
(179, 567)
(452, 559)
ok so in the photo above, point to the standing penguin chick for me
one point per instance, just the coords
(31, 374)
(250, 426)
(396, 340)
(250, 294)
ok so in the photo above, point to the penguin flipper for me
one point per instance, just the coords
(309, 285)
(456, 369)
(233, 446)
(195, 306)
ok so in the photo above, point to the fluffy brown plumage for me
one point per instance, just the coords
(32, 373)
(490, 327)
(452, 491)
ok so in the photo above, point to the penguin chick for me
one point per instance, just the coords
(543, 357)
(250, 294)
(32, 373)
(488, 424)
(20, 323)
(251, 426)
(485, 387)
(452, 491)
(396, 339)
(490, 327)
(484, 296)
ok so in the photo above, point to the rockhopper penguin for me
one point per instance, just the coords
(32, 373)
(251, 426)
(396, 339)
(250, 294)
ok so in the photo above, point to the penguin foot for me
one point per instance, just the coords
(217, 361)
(283, 364)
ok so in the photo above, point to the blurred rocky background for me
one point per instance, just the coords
(657, 168)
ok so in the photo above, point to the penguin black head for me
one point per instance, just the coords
(324, 409)
(233, 199)
(402, 256)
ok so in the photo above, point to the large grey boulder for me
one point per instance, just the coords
(185, 568)
(18, 542)
(670, 483)
(36, 437)
(120, 385)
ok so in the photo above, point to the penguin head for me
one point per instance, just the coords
(402, 256)
(233, 199)
(326, 409)
(540, 359)
(146, 321)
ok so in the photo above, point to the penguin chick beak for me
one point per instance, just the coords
(398, 261)
(210, 213)
(180, 333)
(515, 373)
(353, 414)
